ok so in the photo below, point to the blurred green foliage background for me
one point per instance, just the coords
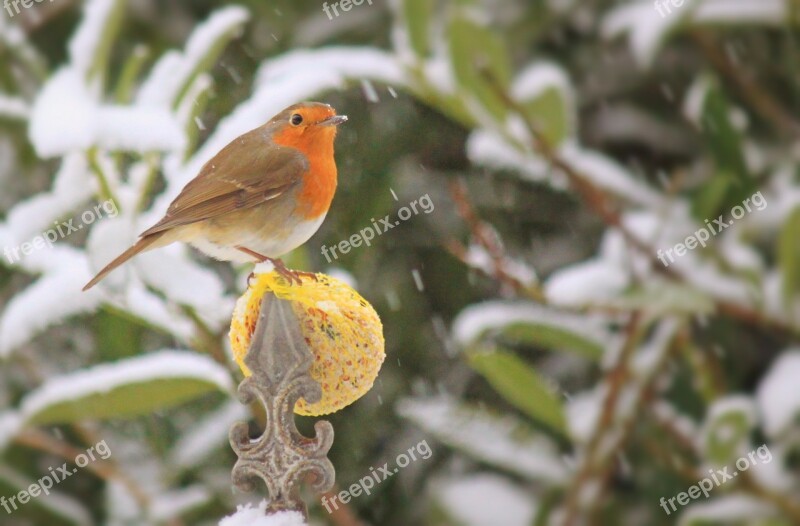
(561, 372)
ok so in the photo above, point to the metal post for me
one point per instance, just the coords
(279, 360)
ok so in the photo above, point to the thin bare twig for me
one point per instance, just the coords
(482, 233)
(762, 102)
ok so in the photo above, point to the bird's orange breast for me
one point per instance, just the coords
(319, 182)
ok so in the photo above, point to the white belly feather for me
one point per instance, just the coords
(261, 242)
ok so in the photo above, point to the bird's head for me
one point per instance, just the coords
(308, 126)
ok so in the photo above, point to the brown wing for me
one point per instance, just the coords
(244, 174)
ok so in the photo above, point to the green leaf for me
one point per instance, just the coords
(123, 93)
(663, 298)
(551, 337)
(111, 27)
(511, 323)
(125, 389)
(710, 198)
(723, 139)
(789, 257)
(732, 182)
(549, 111)
(125, 401)
(417, 15)
(480, 62)
(117, 336)
(522, 387)
(728, 428)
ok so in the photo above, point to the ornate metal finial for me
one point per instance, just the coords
(279, 360)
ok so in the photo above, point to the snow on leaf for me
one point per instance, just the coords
(10, 424)
(707, 278)
(646, 29)
(175, 72)
(581, 333)
(67, 118)
(249, 516)
(609, 175)
(126, 289)
(146, 305)
(769, 12)
(490, 438)
(661, 297)
(479, 258)
(72, 188)
(125, 388)
(726, 509)
(137, 129)
(585, 283)
(651, 353)
(171, 505)
(488, 148)
(13, 107)
(85, 45)
(536, 78)
(583, 413)
(345, 63)
(727, 428)
(485, 500)
(187, 283)
(51, 299)
(544, 89)
(62, 119)
(778, 397)
(168, 269)
(695, 98)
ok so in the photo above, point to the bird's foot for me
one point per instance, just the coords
(280, 267)
(291, 275)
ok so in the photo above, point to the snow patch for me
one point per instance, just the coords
(486, 500)
(777, 395)
(13, 107)
(487, 437)
(493, 315)
(249, 516)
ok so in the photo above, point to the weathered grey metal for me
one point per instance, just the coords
(279, 360)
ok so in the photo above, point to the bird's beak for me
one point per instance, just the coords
(333, 121)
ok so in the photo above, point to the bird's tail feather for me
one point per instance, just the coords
(140, 246)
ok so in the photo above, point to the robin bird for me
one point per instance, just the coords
(263, 195)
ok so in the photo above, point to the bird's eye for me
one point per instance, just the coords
(297, 119)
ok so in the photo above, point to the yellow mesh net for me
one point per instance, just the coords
(341, 328)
